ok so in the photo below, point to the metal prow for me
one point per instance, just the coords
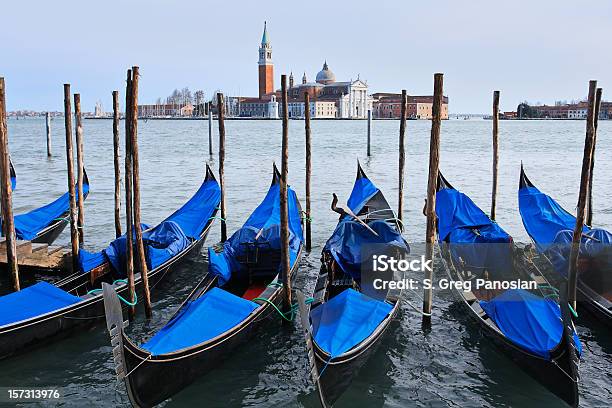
(347, 211)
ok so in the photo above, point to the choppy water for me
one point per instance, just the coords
(450, 365)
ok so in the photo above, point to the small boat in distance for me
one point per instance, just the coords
(38, 313)
(528, 325)
(241, 290)
(551, 229)
(347, 317)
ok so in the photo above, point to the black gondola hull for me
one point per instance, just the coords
(554, 378)
(159, 378)
(338, 374)
(51, 233)
(22, 336)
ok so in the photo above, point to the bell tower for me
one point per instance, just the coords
(266, 67)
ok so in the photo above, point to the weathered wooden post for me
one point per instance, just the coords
(74, 234)
(284, 210)
(80, 169)
(308, 169)
(221, 119)
(142, 260)
(589, 146)
(369, 131)
(589, 214)
(402, 158)
(129, 224)
(432, 182)
(495, 152)
(7, 194)
(48, 122)
(116, 164)
(210, 129)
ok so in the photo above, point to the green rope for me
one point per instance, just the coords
(572, 310)
(283, 315)
(294, 307)
(127, 302)
(218, 218)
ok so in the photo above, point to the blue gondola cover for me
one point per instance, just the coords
(532, 322)
(263, 224)
(32, 301)
(472, 235)
(212, 314)
(166, 239)
(543, 217)
(346, 320)
(346, 243)
(28, 225)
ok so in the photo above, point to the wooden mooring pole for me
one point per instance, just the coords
(221, 119)
(495, 152)
(7, 194)
(432, 182)
(116, 164)
(284, 210)
(74, 233)
(308, 169)
(589, 214)
(402, 158)
(369, 132)
(142, 260)
(48, 122)
(80, 169)
(210, 129)
(129, 224)
(589, 147)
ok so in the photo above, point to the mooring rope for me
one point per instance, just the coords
(127, 302)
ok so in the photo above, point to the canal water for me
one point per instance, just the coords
(450, 365)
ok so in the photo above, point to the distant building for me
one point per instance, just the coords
(329, 99)
(99, 110)
(562, 111)
(165, 110)
(388, 105)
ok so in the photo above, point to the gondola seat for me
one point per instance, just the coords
(35, 300)
(203, 319)
(346, 320)
(532, 322)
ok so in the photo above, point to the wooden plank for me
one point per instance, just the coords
(39, 248)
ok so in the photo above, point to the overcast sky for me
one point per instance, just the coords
(536, 50)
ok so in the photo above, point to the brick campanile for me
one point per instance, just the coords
(266, 67)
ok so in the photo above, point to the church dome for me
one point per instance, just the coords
(326, 76)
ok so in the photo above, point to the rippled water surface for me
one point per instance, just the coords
(451, 365)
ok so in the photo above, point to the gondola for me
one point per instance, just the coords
(45, 224)
(525, 321)
(347, 317)
(42, 311)
(551, 229)
(240, 291)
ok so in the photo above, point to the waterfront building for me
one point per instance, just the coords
(388, 105)
(329, 98)
(165, 110)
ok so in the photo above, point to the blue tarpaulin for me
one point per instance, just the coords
(479, 241)
(363, 190)
(264, 223)
(346, 320)
(205, 318)
(543, 217)
(166, 239)
(531, 322)
(33, 301)
(28, 225)
(345, 244)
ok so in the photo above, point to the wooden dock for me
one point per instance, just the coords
(36, 256)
